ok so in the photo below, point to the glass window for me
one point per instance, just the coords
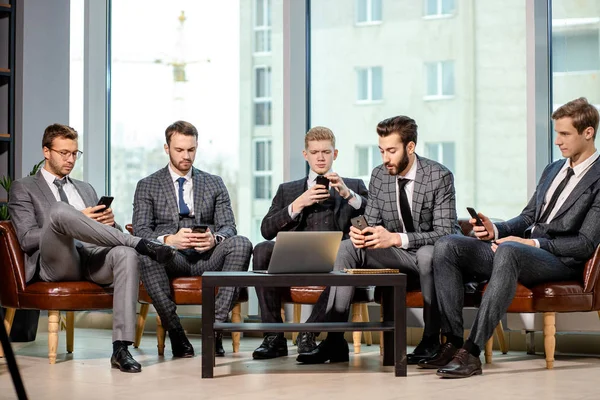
(262, 99)
(369, 84)
(368, 11)
(439, 7)
(76, 47)
(367, 157)
(440, 79)
(262, 26)
(575, 54)
(263, 169)
(484, 124)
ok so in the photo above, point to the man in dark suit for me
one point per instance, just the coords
(66, 236)
(167, 205)
(552, 238)
(305, 205)
(411, 205)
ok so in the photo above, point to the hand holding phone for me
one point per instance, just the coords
(360, 223)
(321, 180)
(201, 228)
(105, 201)
(474, 215)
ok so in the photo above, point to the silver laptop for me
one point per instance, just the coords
(304, 252)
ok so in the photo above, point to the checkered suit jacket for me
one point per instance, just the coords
(156, 213)
(433, 203)
(278, 218)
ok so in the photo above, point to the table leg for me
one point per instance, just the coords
(208, 333)
(388, 315)
(400, 330)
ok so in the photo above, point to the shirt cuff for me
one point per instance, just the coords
(536, 242)
(219, 238)
(161, 238)
(496, 234)
(354, 200)
(293, 215)
(404, 239)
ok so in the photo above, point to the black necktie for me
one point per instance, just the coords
(61, 192)
(184, 210)
(556, 195)
(405, 206)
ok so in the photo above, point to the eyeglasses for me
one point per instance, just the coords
(66, 154)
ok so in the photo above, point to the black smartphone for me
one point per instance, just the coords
(105, 201)
(473, 213)
(321, 180)
(360, 222)
(200, 228)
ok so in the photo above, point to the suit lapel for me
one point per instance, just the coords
(43, 186)
(541, 194)
(588, 179)
(389, 189)
(168, 188)
(199, 188)
(85, 195)
(422, 174)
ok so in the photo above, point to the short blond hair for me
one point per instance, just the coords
(319, 133)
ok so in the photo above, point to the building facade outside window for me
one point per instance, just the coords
(439, 8)
(262, 26)
(440, 79)
(368, 12)
(369, 84)
(263, 169)
(262, 96)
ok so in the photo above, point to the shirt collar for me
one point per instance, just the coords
(50, 177)
(175, 175)
(312, 175)
(412, 172)
(582, 167)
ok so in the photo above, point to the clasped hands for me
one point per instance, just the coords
(374, 237)
(186, 239)
(319, 193)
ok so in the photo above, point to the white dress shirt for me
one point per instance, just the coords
(354, 200)
(70, 190)
(188, 189)
(409, 189)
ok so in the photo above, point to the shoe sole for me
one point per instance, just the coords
(184, 355)
(331, 360)
(117, 366)
(430, 366)
(265, 357)
(455, 376)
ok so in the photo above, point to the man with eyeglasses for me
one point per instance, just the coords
(66, 236)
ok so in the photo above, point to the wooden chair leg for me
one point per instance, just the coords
(549, 338)
(364, 311)
(236, 317)
(381, 344)
(489, 345)
(297, 316)
(356, 336)
(53, 326)
(501, 339)
(70, 330)
(141, 324)
(282, 313)
(9, 316)
(160, 337)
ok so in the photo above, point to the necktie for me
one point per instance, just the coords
(556, 195)
(183, 208)
(405, 206)
(61, 192)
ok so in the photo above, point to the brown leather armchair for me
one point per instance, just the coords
(54, 297)
(185, 291)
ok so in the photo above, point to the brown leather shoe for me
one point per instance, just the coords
(443, 356)
(462, 365)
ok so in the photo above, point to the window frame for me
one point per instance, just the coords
(268, 99)
(439, 14)
(267, 172)
(369, 21)
(265, 28)
(439, 95)
(369, 99)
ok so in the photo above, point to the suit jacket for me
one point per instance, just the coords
(433, 203)
(278, 218)
(574, 232)
(29, 205)
(156, 212)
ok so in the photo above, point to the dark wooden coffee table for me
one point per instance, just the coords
(393, 325)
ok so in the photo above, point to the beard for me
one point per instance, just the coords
(401, 166)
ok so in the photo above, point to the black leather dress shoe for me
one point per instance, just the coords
(444, 355)
(180, 345)
(424, 351)
(272, 346)
(123, 360)
(463, 365)
(219, 350)
(327, 350)
(156, 250)
(306, 342)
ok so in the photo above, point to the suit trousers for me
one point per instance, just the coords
(410, 262)
(232, 254)
(456, 256)
(74, 247)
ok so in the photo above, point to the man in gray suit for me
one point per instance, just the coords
(189, 209)
(411, 205)
(66, 236)
(551, 240)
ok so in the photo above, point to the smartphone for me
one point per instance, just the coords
(105, 201)
(360, 222)
(200, 228)
(321, 180)
(473, 213)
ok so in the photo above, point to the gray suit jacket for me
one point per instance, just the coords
(433, 203)
(574, 232)
(156, 213)
(29, 205)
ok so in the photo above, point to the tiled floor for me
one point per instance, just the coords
(86, 374)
